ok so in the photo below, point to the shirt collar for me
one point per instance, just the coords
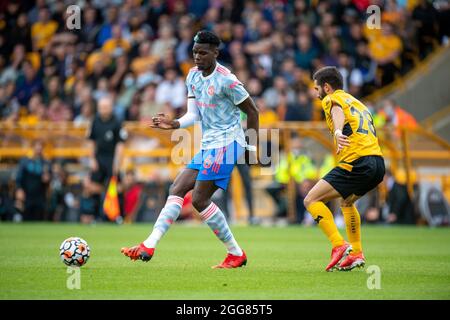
(212, 73)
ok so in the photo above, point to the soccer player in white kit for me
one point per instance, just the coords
(216, 98)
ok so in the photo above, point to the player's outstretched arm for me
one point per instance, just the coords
(248, 106)
(338, 121)
(161, 121)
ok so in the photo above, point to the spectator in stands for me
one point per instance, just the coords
(301, 110)
(105, 32)
(87, 114)
(36, 111)
(172, 90)
(120, 69)
(133, 111)
(385, 49)
(149, 106)
(32, 179)
(12, 70)
(183, 48)
(129, 90)
(20, 33)
(96, 68)
(102, 89)
(267, 117)
(90, 28)
(306, 52)
(138, 30)
(80, 94)
(59, 111)
(425, 18)
(138, 64)
(280, 88)
(27, 83)
(116, 46)
(333, 49)
(148, 76)
(353, 77)
(43, 30)
(166, 41)
(52, 90)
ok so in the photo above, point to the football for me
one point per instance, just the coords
(74, 252)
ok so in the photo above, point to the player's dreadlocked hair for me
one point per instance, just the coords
(205, 36)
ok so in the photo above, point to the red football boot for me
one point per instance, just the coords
(337, 254)
(232, 261)
(352, 261)
(139, 252)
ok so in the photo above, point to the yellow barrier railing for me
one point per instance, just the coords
(404, 148)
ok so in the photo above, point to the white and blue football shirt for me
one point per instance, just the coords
(216, 98)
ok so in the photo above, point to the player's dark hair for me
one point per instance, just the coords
(330, 75)
(205, 36)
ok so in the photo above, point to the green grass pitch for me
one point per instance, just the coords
(283, 263)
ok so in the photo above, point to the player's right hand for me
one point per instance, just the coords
(161, 121)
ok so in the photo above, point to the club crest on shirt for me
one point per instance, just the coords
(208, 162)
(193, 88)
(211, 90)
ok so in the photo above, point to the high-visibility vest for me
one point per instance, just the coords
(327, 165)
(298, 167)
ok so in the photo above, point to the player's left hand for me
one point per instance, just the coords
(341, 141)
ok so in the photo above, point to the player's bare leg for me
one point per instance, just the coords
(314, 202)
(184, 182)
(353, 227)
(215, 219)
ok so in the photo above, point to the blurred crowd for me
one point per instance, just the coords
(140, 51)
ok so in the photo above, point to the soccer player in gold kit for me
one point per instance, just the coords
(360, 168)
